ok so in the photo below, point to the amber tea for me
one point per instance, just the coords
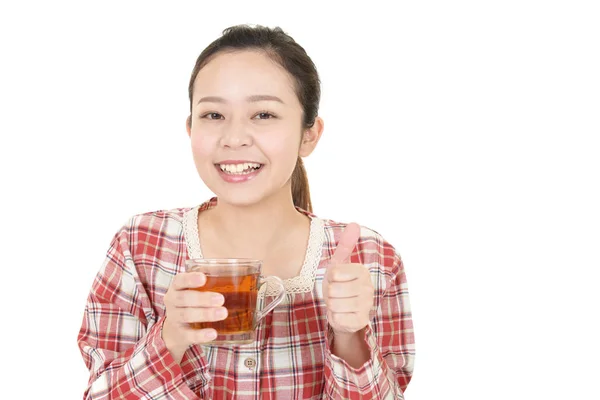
(239, 281)
(240, 300)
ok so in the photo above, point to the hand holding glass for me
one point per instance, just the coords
(239, 281)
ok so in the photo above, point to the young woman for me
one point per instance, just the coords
(344, 328)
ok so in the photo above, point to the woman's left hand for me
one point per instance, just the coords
(347, 287)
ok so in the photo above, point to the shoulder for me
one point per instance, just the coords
(158, 220)
(372, 249)
(153, 229)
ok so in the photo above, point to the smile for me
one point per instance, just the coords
(240, 169)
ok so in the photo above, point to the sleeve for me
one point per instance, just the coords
(121, 338)
(390, 339)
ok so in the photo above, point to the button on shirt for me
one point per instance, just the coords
(250, 363)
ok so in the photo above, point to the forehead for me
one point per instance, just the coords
(238, 74)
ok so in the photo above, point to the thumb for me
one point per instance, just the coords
(346, 244)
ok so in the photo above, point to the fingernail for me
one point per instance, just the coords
(221, 313)
(211, 335)
(200, 278)
(217, 299)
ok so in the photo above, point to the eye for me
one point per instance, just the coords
(212, 115)
(264, 115)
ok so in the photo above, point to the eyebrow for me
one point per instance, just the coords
(251, 99)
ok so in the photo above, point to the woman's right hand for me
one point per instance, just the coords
(184, 306)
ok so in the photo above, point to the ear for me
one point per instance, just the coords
(311, 137)
(188, 125)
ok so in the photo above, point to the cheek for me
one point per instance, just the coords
(280, 145)
(202, 145)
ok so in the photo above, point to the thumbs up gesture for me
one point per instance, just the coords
(347, 288)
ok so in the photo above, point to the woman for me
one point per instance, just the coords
(344, 329)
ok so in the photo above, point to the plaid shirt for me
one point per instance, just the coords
(120, 338)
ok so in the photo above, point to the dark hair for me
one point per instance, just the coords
(290, 55)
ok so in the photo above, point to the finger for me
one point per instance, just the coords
(343, 290)
(201, 314)
(199, 336)
(347, 305)
(346, 244)
(194, 298)
(351, 322)
(344, 272)
(188, 280)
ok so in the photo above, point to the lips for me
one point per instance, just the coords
(238, 171)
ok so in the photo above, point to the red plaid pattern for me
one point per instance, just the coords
(120, 338)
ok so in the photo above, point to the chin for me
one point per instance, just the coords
(240, 197)
(245, 194)
(239, 200)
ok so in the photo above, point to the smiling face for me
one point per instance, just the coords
(246, 127)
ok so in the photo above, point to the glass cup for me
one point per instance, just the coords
(239, 281)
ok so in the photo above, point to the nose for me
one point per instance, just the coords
(236, 134)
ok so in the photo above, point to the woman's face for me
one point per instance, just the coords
(246, 127)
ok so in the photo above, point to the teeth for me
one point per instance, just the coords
(242, 168)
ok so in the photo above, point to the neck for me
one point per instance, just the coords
(258, 226)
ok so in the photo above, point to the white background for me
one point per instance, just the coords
(465, 132)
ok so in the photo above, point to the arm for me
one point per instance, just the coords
(390, 342)
(121, 340)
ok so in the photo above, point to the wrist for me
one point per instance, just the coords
(360, 334)
(173, 344)
(344, 339)
(351, 347)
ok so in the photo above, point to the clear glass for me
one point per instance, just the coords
(239, 281)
